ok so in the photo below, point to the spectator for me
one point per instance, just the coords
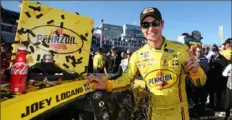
(90, 66)
(201, 58)
(216, 82)
(98, 62)
(123, 55)
(228, 101)
(227, 53)
(6, 53)
(124, 62)
(199, 94)
(113, 62)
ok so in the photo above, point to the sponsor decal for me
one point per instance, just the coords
(87, 88)
(147, 60)
(145, 54)
(175, 62)
(58, 39)
(38, 105)
(34, 107)
(97, 95)
(101, 104)
(176, 56)
(105, 116)
(165, 62)
(68, 94)
(170, 51)
(148, 10)
(161, 79)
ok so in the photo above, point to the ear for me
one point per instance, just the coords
(162, 24)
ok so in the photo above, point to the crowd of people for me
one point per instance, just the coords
(218, 84)
(112, 62)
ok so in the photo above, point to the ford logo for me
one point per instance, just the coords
(97, 95)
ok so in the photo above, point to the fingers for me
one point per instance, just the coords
(192, 51)
(192, 67)
(97, 87)
(190, 61)
(92, 78)
(191, 64)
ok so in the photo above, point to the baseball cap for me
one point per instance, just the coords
(228, 41)
(185, 34)
(150, 11)
(197, 35)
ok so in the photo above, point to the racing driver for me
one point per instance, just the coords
(164, 65)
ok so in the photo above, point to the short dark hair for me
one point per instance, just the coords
(100, 49)
(185, 34)
(228, 41)
(215, 48)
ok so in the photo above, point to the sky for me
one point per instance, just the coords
(179, 16)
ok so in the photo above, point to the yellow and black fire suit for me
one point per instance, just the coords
(98, 63)
(228, 55)
(164, 72)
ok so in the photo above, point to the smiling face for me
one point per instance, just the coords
(198, 52)
(152, 29)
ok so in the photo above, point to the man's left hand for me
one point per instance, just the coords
(192, 63)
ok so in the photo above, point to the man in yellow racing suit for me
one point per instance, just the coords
(163, 69)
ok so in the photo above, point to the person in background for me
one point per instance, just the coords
(209, 53)
(222, 48)
(204, 50)
(227, 53)
(108, 54)
(6, 53)
(98, 62)
(90, 65)
(113, 61)
(216, 82)
(199, 94)
(125, 61)
(123, 55)
(201, 59)
(228, 101)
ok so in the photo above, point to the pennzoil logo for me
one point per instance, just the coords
(148, 10)
(63, 40)
(57, 41)
(161, 79)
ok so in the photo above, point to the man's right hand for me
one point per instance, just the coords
(101, 84)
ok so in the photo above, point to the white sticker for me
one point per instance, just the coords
(101, 104)
(105, 116)
(97, 95)
(16, 89)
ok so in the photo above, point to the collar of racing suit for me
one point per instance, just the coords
(162, 47)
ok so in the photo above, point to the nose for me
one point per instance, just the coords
(151, 28)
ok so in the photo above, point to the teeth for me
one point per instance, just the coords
(152, 34)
